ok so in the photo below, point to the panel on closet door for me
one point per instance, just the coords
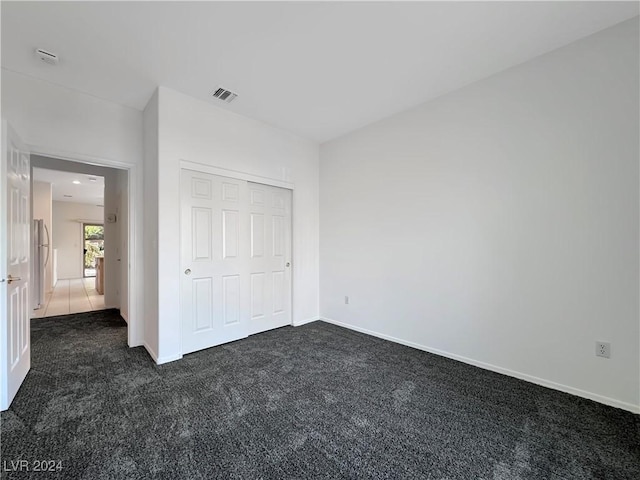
(231, 299)
(201, 233)
(257, 295)
(230, 192)
(278, 200)
(257, 235)
(230, 233)
(201, 188)
(202, 304)
(278, 235)
(278, 292)
(257, 198)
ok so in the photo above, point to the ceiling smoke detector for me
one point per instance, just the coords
(47, 57)
(223, 94)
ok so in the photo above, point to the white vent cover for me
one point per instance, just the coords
(47, 57)
(223, 94)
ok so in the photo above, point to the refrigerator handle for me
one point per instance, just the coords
(47, 244)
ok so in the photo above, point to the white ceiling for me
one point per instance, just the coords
(317, 69)
(88, 192)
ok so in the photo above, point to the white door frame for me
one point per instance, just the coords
(135, 326)
(224, 172)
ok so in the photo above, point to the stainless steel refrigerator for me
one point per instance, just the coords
(41, 253)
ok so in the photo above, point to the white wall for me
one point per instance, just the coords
(57, 119)
(62, 123)
(499, 224)
(151, 226)
(198, 131)
(67, 236)
(42, 208)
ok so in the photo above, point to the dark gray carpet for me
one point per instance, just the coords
(316, 401)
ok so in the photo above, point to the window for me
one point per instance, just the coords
(93, 247)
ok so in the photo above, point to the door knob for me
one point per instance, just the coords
(12, 279)
(287, 264)
(187, 271)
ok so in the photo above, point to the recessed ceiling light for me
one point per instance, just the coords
(76, 182)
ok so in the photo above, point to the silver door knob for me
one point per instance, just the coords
(187, 271)
(287, 264)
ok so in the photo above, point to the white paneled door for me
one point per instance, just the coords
(236, 250)
(14, 265)
(269, 258)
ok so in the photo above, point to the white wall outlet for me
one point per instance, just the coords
(603, 349)
(346, 300)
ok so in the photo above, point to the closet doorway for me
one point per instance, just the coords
(235, 259)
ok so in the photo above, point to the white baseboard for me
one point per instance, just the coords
(168, 358)
(487, 366)
(150, 351)
(304, 322)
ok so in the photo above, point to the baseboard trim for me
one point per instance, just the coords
(168, 358)
(494, 368)
(304, 322)
(161, 360)
(150, 351)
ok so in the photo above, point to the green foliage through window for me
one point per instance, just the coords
(93, 244)
(94, 232)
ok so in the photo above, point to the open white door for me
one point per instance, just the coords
(15, 219)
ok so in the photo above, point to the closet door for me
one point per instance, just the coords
(235, 259)
(215, 287)
(270, 257)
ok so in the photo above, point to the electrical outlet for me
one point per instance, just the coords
(346, 300)
(603, 349)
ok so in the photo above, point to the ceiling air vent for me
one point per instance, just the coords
(47, 57)
(224, 94)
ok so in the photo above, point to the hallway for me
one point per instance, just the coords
(71, 296)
